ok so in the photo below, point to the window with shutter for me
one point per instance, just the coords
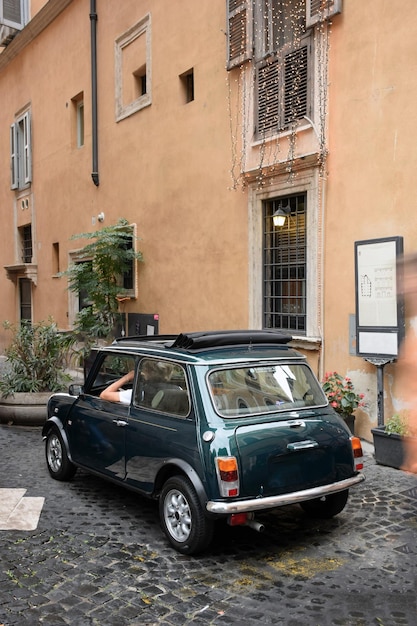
(239, 32)
(319, 10)
(12, 13)
(21, 152)
(282, 70)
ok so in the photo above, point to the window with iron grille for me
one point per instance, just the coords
(284, 266)
(26, 243)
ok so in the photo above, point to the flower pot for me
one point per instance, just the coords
(25, 409)
(349, 420)
(389, 448)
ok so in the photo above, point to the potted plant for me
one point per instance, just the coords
(342, 397)
(389, 440)
(33, 369)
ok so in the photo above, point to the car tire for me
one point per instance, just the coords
(59, 465)
(182, 517)
(327, 506)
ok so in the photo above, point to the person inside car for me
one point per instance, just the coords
(115, 391)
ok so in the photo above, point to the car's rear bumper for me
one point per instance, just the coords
(271, 502)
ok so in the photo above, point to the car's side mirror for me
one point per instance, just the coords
(75, 390)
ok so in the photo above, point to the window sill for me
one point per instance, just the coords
(23, 270)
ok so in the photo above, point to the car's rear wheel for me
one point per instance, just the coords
(59, 465)
(182, 516)
(327, 506)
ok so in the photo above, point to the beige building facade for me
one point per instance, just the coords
(197, 125)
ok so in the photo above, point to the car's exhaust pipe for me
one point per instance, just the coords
(252, 523)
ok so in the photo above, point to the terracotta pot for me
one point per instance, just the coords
(25, 409)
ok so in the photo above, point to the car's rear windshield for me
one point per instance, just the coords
(264, 389)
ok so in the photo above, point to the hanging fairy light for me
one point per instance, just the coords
(277, 82)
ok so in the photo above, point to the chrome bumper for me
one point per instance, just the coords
(270, 502)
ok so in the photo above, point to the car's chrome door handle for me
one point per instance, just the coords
(302, 445)
(120, 422)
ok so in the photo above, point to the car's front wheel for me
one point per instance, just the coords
(327, 506)
(182, 516)
(59, 465)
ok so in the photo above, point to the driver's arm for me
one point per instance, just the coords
(111, 393)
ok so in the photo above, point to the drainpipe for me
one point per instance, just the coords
(93, 20)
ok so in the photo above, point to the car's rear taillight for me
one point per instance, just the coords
(228, 476)
(357, 452)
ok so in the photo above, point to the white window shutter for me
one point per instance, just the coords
(11, 13)
(27, 149)
(14, 162)
(320, 10)
(239, 32)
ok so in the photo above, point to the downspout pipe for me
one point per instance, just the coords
(93, 23)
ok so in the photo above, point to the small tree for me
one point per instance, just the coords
(102, 264)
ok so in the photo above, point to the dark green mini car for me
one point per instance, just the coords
(219, 424)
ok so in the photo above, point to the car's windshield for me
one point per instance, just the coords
(263, 389)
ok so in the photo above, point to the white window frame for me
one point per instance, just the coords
(21, 152)
(80, 123)
(141, 28)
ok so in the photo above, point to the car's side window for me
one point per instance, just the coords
(112, 367)
(162, 386)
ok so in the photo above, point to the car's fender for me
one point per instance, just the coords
(174, 467)
(55, 421)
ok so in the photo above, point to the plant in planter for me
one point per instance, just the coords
(342, 396)
(99, 272)
(34, 368)
(389, 440)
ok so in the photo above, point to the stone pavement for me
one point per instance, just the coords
(97, 557)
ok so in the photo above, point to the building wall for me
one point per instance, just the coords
(164, 168)
(192, 178)
(371, 168)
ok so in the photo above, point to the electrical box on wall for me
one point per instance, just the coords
(142, 324)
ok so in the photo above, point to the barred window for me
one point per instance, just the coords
(284, 265)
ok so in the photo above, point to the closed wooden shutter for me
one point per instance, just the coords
(268, 97)
(239, 32)
(295, 85)
(14, 162)
(319, 10)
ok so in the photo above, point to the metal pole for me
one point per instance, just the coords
(93, 20)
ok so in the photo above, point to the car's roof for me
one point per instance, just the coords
(211, 347)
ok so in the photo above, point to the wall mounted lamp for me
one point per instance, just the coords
(281, 214)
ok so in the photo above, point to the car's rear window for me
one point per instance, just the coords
(264, 389)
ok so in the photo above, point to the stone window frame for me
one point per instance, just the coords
(141, 28)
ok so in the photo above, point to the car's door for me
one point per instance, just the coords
(161, 423)
(97, 428)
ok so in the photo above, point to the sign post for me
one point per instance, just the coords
(379, 306)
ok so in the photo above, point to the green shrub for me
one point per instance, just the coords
(397, 425)
(35, 359)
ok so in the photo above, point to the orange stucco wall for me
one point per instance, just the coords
(165, 168)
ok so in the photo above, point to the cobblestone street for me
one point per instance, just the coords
(98, 557)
